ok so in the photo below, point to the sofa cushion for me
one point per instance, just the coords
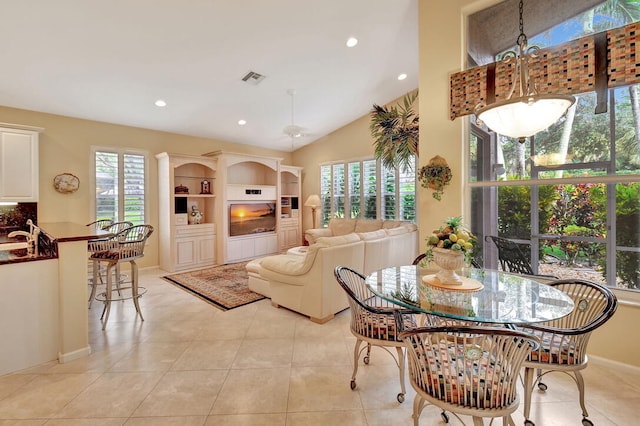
(411, 226)
(373, 235)
(341, 226)
(397, 231)
(338, 240)
(368, 225)
(392, 224)
(288, 264)
(312, 234)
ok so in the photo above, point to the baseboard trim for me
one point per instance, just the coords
(70, 356)
(617, 364)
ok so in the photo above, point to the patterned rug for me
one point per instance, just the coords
(223, 286)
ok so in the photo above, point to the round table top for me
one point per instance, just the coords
(502, 297)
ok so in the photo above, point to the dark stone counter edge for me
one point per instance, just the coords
(25, 259)
(48, 244)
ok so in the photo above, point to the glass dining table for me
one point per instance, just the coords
(502, 298)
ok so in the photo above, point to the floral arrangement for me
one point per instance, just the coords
(435, 175)
(452, 236)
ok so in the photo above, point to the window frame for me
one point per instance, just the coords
(610, 179)
(346, 195)
(120, 152)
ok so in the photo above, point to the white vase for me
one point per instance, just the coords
(449, 262)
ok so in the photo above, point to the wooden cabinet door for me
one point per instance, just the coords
(18, 165)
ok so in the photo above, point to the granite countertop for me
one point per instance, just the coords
(51, 234)
(62, 232)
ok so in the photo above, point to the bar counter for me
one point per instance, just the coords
(46, 301)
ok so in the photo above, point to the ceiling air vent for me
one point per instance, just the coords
(253, 78)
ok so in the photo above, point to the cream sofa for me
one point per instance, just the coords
(387, 242)
(305, 283)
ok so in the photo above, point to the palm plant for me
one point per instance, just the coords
(395, 133)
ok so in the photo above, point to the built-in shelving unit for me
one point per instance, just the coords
(250, 208)
(186, 187)
(290, 221)
(247, 207)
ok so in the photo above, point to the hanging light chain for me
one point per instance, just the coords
(522, 37)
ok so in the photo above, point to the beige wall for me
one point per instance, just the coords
(351, 142)
(65, 146)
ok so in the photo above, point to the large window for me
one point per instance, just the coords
(367, 190)
(570, 195)
(120, 181)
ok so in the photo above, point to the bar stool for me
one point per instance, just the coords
(125, 246)
(95, 272)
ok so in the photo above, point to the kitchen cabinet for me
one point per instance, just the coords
(19, 173)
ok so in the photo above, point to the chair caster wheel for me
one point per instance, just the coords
(366, 360)
(445, 417)
(353, 384)
(529, 423)
(400, 398)
(542, 386)
(587, 422)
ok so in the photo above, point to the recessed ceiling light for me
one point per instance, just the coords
(242, 122)
(402, 76)
(161, 103)
(352, 42)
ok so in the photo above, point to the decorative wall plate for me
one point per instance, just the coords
(66, 183)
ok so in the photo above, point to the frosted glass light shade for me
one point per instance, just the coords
(524, 116)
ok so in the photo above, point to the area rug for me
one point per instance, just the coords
(223, 286)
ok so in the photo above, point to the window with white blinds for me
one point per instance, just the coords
(120, 182)
(365, 189)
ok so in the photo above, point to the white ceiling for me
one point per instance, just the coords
(110, 60)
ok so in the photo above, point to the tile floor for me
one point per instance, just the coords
(189, 363)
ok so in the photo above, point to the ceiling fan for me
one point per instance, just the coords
(293, 130)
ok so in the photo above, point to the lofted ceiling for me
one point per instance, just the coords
(496, 28)
(111, 60)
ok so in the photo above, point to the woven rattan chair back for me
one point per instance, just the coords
(466, 370)
(511, 256)
(100, 223)
(118, 227)
(564, 341)
(374, 321)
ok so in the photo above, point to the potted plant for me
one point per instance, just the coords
(395, 133)
(435, 175)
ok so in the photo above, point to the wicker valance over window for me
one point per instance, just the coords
(569, 68)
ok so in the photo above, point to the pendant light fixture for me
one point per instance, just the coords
(530, 112)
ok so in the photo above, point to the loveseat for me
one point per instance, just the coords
(303, 280)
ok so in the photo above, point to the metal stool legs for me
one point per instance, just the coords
(107, 296)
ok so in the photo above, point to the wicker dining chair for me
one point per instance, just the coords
(512, 258)
(564, 341)
(125, 246)
(100, 223)
(466, 370)
(374, 322)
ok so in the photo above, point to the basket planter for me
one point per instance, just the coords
(435, 175)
